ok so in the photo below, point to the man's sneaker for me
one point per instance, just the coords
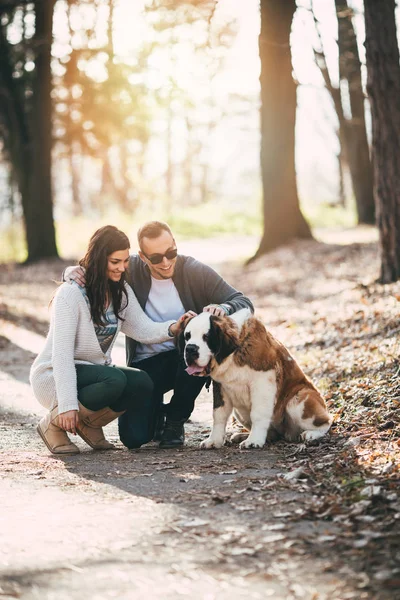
(174, 434)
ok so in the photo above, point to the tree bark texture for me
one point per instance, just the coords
(28, 138)
(355, 132)
(39, 221)
(283, 220)
(383, 88)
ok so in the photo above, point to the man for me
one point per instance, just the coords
(167, 285)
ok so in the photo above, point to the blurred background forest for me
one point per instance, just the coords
(256, 123)
(124, 110)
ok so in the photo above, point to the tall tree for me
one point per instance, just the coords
(383, 88)
(283, 220)
(355, 131)
(39, 215)
(334, 91)
(25, 113)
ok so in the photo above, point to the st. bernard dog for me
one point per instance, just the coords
(254, 376)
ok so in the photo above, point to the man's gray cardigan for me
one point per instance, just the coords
(198, 285)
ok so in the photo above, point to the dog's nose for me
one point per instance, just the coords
(192, 351)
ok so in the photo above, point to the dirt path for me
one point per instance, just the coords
(217, 524)
(180, 523)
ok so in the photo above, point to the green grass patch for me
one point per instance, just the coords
(320, 215)
(194, 222)
(12, 246)
(204, 221)
(209, 221)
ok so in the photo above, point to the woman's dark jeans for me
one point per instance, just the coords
(121, 389)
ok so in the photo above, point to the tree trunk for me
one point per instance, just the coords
(38, 213)
(341, 169)
(320, 60)
(337, 103)
(283, 220)
(383, 88)
(355, 129)
(30, 143)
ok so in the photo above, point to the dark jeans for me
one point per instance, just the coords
(120, 388)
(167, 372)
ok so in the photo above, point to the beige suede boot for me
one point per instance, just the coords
(55, 438)
(91, 423)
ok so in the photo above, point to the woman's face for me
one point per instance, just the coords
(117, 263)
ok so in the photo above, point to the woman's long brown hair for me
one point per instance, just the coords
(99, 288)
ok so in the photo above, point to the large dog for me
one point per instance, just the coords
(254, 376)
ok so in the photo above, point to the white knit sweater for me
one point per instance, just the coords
(72, 339)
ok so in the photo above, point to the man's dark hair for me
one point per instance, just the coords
(152, 230)
(104, 242)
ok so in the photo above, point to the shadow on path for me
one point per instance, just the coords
(223, 518)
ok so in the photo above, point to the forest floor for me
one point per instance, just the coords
(289, 522)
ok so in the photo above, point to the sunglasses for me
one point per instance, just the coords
(156, 259)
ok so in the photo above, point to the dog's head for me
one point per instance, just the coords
(205, 339)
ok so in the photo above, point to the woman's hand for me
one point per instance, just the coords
(175, 328)
(68, 421)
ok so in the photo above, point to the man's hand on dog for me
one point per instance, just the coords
(215, 309)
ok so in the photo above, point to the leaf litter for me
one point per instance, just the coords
(337, 500)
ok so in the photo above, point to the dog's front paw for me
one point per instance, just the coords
(251, 443)
(311, 436)
(211, 443)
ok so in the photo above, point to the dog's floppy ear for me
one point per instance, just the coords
(180, 341)
(180, 335)
(222, 337)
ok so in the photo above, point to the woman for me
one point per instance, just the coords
(73, 376)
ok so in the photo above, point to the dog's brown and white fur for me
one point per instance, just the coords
(254, 376)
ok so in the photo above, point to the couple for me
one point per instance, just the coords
(146, 296)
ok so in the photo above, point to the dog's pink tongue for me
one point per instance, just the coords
(194, 369)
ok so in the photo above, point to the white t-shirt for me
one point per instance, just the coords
(162, 304)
